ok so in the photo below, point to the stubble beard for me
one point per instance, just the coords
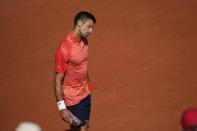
(83, 35)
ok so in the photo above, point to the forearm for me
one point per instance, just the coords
(64, 113)
(58, 87)
(88, 79)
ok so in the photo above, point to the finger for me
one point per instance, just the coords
(69, 120)
(64, 119)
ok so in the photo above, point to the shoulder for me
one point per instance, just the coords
(64, 45)
(64, 48)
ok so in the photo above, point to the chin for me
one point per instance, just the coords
(85, 36)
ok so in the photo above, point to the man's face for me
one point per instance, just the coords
(86, 28)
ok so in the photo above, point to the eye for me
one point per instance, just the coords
(90, 26)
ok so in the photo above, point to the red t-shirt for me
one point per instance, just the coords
(71, 60)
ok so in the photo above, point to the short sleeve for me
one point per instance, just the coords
(60, 61)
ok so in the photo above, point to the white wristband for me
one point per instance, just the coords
(61, 105)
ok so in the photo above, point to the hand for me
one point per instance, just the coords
(65, 115)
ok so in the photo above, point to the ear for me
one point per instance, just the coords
(80, 22)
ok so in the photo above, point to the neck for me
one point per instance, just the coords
(76, 32)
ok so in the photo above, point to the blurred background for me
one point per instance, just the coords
(142, 62)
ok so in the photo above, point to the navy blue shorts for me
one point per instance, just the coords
(82, 109)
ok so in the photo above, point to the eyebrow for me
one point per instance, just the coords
(90, 25)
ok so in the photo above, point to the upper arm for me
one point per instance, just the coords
(60, 62)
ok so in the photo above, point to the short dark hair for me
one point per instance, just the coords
(84, 16)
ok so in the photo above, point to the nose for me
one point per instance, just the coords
(91, 30)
